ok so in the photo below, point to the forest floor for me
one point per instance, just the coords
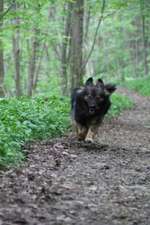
(65, 182)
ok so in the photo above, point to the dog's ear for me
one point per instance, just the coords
(89, 82)
(110, 88)
(100, 83)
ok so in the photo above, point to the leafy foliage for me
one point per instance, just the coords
(26, 119)
(119, 103)
(118, 51)
(140, 85)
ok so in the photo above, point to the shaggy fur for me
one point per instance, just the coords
(89, 104)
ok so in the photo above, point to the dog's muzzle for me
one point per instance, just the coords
(92, 110)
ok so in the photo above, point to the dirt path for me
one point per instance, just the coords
(65, 182)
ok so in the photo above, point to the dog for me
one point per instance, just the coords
(89, 105)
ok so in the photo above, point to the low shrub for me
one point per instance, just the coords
(119, 103)
(25, 119)
(140, 85)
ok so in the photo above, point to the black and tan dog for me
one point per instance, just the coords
(90, 103)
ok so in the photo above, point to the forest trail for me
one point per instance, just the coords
(65, 182)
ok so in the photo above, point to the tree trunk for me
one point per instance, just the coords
(32, 62)
(145, 39)
(16, 52)
(64, 54)
(76, 55)
(87, 23)
(38, 68)
(2, 92)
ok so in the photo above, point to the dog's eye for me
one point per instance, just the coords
(88, 97)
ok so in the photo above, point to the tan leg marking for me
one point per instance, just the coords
(81, 132)
(91, 134)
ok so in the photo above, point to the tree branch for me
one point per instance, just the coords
(95, 35)
(7, 10)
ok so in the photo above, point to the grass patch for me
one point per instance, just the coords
(140, 85)
(119, 103)
(26, 119)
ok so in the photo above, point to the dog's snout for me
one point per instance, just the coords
(92, 109)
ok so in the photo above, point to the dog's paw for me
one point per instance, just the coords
(89, 140)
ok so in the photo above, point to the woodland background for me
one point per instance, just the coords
(49, 46)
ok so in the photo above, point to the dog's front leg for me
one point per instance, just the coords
(81, 132)
(92, 131)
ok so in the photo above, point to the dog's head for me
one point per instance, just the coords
(95, 95)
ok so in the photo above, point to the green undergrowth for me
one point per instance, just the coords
(26, 119)
(142, 86)
(119, 103)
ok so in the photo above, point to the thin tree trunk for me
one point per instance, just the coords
(76, 54)
(16, 53)
(136, 57)
(64, 55)
(87, 23)
(95, 36)
(145, 41)
(2, 92)
(38, 68)
(32, 62)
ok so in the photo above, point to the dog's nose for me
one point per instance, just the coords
(92, 109)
